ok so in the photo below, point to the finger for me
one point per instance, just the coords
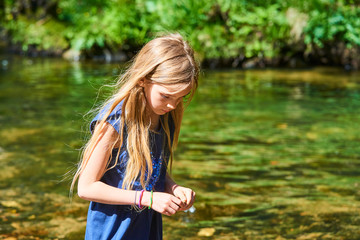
(180, 194)
(171, 212)
(193, 196)
(174, 206)
(182, 198)
(167, 213)
(189, 197)
(192, 200)
(176, 200)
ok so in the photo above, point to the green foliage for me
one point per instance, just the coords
(217, 29)
(260, 32)
(108, 23)
(46, 35)
(337, 24)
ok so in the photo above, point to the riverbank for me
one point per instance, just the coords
(105, 56)
(231, 34)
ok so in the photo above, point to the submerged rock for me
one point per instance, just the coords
(206, 232)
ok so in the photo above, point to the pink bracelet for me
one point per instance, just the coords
(141, 194)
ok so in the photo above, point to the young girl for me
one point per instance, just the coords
(124, 167)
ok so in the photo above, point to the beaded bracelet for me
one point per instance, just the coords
(151, 199)
(141, 194)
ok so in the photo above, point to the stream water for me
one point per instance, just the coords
(271, 154)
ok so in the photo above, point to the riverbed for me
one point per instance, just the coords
(271, 154)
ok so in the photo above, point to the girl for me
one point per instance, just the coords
(124, 167)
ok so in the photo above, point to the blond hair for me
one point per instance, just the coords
(164, 60)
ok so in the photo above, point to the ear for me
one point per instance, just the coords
(142, 82)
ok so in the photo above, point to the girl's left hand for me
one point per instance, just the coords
(186, 195)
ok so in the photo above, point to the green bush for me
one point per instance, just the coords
(217, 29)
(335, 24)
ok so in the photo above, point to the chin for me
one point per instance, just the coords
(162, 112)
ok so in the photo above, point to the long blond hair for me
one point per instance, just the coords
(164, 60)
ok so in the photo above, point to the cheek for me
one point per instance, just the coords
(178, 101)
(156, 100)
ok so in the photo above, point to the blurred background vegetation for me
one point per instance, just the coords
(230, 33)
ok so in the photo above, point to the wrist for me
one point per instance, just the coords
(170, 187)
(169, 184)
(145, 201)
(173, 187)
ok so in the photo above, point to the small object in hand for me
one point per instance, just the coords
(191, 210)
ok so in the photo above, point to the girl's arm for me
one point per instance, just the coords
(91, 188)
(186, 195)
(170, 184)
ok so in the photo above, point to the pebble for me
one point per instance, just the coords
(206, 232)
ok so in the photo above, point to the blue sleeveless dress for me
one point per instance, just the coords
(105, 221)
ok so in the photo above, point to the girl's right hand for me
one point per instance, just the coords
(163, 203)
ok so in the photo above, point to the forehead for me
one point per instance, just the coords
(175, 89)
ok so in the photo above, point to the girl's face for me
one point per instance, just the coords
(164, 98)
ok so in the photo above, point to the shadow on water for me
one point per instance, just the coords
(271, 154)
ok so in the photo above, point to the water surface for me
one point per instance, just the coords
(271, 154)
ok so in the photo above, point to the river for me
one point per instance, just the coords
(271, 154)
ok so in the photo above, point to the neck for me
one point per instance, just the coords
(155, 122)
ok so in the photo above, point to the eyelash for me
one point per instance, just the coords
(182, 98)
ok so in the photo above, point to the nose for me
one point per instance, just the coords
(171, 106)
